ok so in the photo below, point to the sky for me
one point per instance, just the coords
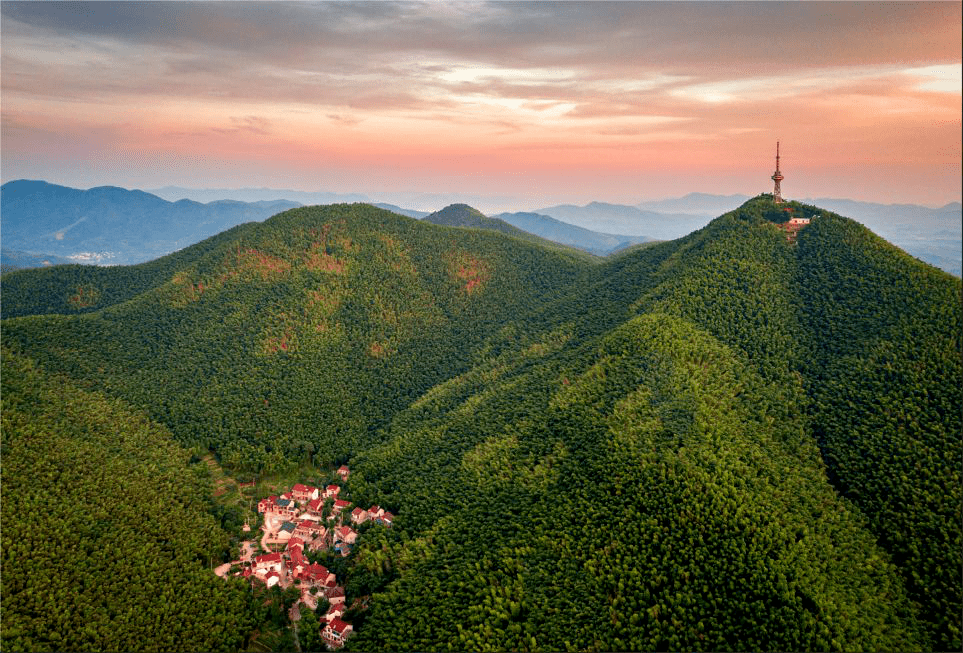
(536, 103)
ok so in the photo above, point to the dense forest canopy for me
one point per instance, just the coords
(730, 441)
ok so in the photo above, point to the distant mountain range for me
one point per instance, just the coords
(600, 244)
(621, 218)
(112, 225)
(109, 225)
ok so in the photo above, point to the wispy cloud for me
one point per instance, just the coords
(359, 80)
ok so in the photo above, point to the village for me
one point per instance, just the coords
(303, 519)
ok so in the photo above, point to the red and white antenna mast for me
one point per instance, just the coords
(777, 177)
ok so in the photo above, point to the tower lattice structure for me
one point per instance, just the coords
(777, 178)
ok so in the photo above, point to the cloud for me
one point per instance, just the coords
(486, 77)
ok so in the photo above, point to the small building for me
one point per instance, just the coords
(308, 529)
(344, 472)
(268, 562)
(339, 505)
(316, 575)
(286, 531)
(272, 578)
(332, 491)
(335, 594)
(294, 543)
(375, 511)
(359, 516)
(345, 534)
(319, 543)
(335, 632)
(316, 507)
(304, 493)
(387, 519)
(334, 610)
(285, 507)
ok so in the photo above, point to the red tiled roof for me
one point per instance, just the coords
(268, 558)
(338, 625)
(339, 504)
(388, 516)
(333, 488)
(343, 468)
(316, 504)
(315, 571)
(295, 542)
(357, 512)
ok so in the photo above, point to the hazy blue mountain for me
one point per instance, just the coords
(625, 219)
(400, 211)
(931, 235)
(696, 204)
(249, 195)
(567, 234)
(113, 225)
(11, 259)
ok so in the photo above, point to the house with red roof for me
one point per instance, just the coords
(294, 543)
(332, 491)
(339, 505)
(359, 516)
(335, 632)
(315, 575)
(334, 610)
(267, 505)
(345, 534)
(344, 472)
(304, 493)
(316, 507)
(335, 594)
(308, 529)
(375, 511)
(268, 562)
(272, 578)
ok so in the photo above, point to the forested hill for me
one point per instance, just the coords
(332, 316)
(462, 215)
(728, 441)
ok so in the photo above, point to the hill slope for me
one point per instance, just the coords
(106, 537)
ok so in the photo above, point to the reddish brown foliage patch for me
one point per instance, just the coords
(315, 260)
(85, 297)
(253, 260)
(470, 270)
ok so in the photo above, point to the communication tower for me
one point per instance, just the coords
(777, 177)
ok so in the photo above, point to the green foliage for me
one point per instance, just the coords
(107, 542)
(724, 442)
(885, 377)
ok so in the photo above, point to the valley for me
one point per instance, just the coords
(734, 440)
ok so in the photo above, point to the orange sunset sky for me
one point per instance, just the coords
(540, 102)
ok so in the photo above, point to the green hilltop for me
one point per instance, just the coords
(730, 441)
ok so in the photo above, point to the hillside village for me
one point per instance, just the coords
(308, 519)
